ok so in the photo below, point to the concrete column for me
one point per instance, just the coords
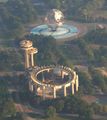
(72, 84)
(26, 59)
(54, 92)
(43, 92)
(62, 74)
(30, 86)
(65, 92)
(48, 70)
(77, 83)
(32, 60)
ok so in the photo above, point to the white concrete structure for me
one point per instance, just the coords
(72, 80)
(48, 88)
(26, 45)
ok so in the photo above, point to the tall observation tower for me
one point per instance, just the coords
(27, 46)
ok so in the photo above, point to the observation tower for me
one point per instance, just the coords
(29, 52)
(48, 81)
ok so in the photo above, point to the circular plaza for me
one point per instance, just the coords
(62, 32)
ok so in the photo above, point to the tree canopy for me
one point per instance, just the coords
(14, 14)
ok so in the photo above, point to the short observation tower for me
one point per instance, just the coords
(29, 52)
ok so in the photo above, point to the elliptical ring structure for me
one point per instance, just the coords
(61, 81)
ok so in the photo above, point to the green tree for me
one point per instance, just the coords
(58, 4)
(9, 109)
(99, 81)
(51, 112)
(14, 14)
(97, 108)
(59, 105)
(85, 82)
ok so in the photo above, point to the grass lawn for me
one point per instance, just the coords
(3, 0)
